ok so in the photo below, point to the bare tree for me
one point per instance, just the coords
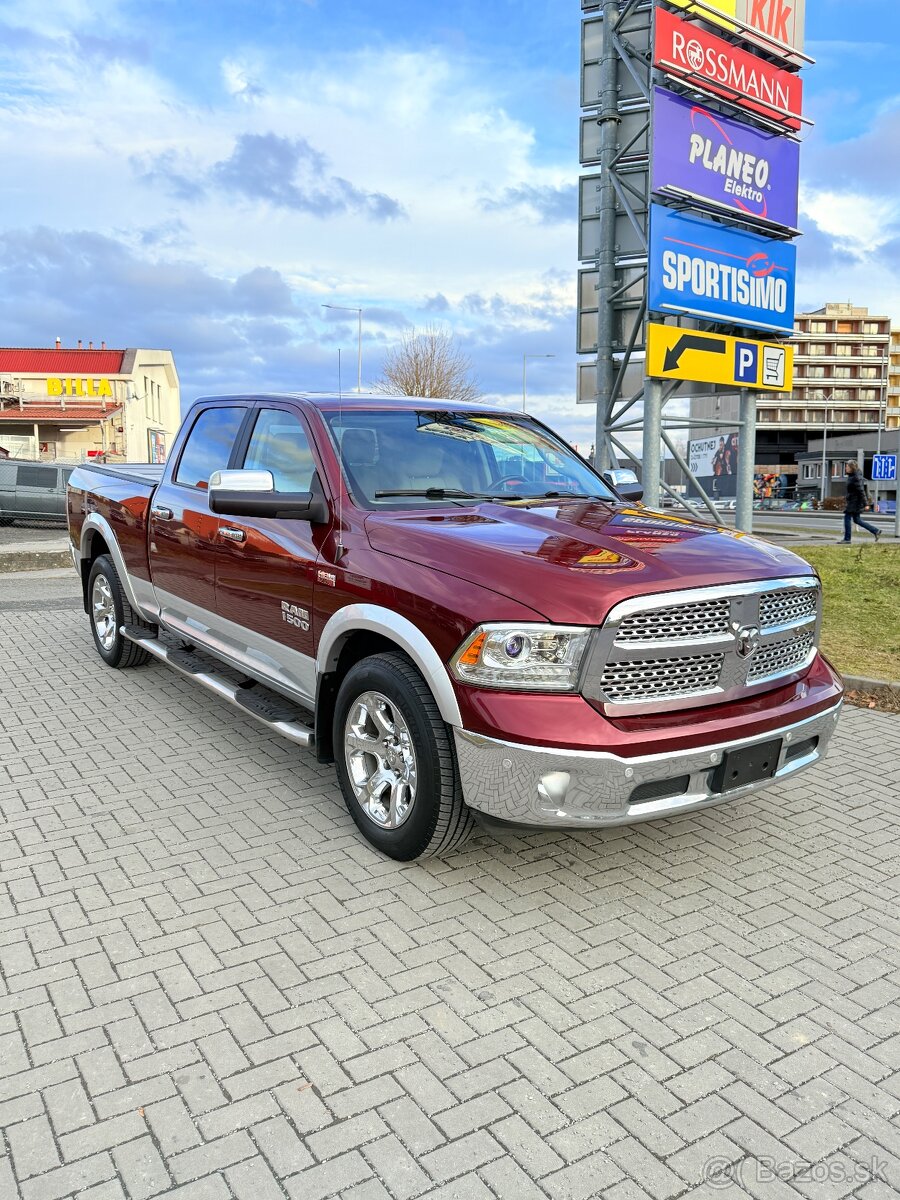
(428, 363)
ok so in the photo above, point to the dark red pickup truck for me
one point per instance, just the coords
(447, 602)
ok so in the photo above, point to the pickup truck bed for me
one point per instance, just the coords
(477, 622)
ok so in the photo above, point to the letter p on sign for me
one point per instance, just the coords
(746, 363)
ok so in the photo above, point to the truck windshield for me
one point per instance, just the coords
(407, 458)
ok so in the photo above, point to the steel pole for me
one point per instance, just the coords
(650, 476)
(824, 444)
(359, 351)
(897, 490)
(606, 261)
(743, 516)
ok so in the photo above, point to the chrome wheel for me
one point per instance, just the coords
(103, 612)
(380, 758)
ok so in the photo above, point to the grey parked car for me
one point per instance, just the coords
(32, 489)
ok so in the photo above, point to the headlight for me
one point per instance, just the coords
(532, 658)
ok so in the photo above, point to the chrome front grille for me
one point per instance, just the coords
(703, 646)
(662, 677)
(780, 658)
(787, 606)
(681, 622)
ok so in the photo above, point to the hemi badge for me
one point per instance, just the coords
(327, 577)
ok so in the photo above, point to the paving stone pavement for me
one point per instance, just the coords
(213, 990)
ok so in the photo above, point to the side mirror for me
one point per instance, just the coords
(625, 482)
(253, 494)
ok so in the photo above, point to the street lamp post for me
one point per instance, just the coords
(359, 313)
(525, 358)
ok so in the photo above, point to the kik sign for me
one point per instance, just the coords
(683, 49)
(775, 23)
(723, 160)
(701, 269)
(674, 353)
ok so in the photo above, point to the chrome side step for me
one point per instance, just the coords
(273, 711)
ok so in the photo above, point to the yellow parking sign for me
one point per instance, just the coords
(674, 353)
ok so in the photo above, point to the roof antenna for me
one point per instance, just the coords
(340, 451)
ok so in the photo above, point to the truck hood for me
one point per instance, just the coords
(573, 560)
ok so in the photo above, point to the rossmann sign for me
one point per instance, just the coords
(776, 25)
(685, 51)
(727, 162)
(700, 269)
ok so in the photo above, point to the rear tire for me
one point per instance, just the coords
(109, 610)
(396, 763)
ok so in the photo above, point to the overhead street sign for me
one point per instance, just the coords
(688, 53)
(701, 269)
(884, 468)
(674, 353)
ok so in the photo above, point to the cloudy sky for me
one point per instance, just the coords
(206, 174)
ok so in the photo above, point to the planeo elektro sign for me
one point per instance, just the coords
(703, 154)
(701, 269)
(685, 51)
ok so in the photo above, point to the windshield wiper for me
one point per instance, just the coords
(564, 496)
(438, 493)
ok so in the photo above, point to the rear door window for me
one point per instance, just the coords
(209, 445)
(36, 477)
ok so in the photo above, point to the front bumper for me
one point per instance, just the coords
(575, 789)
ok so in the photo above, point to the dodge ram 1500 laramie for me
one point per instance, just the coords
(449, 604)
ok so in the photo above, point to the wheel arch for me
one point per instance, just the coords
(358, 631)
(97, 537)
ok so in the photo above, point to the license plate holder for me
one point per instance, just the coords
(750, 764)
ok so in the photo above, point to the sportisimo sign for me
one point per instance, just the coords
(707, 270)
(724, 160)
(684, 50)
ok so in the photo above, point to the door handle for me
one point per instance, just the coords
(161, 514)
(233, 535)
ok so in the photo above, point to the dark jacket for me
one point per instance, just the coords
(857, 500)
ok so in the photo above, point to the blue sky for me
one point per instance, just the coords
(204, 176)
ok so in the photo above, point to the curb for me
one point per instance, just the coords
(14, 562)
(860, 683)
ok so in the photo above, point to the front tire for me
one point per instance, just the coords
(109, 610)
(396, 763)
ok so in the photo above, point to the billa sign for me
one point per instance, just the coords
(78, 387)
(776, 25)
(700, 269)
(674, 353)
(685, 51)
(725, 161)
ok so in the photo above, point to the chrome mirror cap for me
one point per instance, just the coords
(242, 481)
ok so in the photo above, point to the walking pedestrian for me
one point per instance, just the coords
(857, 503)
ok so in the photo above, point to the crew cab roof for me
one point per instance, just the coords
(330, 402)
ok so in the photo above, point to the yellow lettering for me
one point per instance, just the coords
(54, 387)
(71, 388)
(104, 388)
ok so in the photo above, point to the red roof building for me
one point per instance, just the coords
(73, 404)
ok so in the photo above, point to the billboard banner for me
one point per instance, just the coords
(702, 269)
(713, 156)
(775, 25)
(685, 51)
(714, 462)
